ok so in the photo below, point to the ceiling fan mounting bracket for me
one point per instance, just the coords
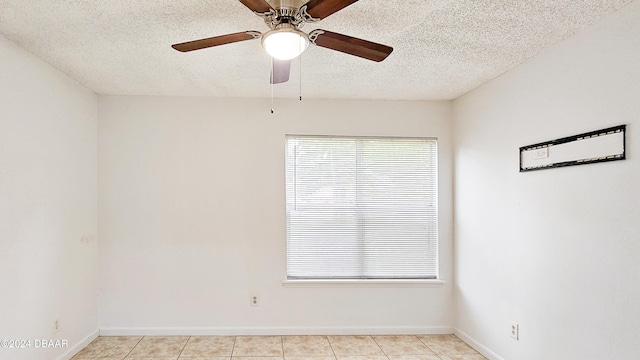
(272, 13)
(255, 34)
(304, 16)
(313, 36)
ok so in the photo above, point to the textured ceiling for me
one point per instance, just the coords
(442, 49)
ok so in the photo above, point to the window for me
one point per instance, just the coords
(361, 208)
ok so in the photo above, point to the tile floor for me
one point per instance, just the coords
(388, 347)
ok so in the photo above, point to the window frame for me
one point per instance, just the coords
(367, 281)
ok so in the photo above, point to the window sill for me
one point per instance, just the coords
(363, 283)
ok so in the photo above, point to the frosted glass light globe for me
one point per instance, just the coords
(285, 43)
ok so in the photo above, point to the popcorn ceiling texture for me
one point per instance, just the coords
(442, 48)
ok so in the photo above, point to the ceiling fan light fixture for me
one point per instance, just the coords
(285, 42)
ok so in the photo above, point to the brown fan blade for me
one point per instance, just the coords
(350, 45)
(216, 40)
(320, 9)
(259, 6)
(280, 71)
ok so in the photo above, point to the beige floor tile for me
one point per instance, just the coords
(114, 347)
(402, 345)
(306, 346)
(118, 340)
(159, 347)
(204, 346)
(354, 346)
(95, 352)
(476, 356)
(447, 345)
(257, 346)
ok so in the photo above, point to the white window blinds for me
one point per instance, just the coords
(361, 208)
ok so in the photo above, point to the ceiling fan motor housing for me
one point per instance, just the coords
(295, 15)
(294, 4)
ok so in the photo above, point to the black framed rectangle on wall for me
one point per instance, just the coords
(592, 147)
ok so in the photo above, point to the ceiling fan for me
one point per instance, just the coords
(285, 41)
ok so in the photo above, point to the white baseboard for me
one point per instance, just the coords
(488, 353)
(73, 350)
(239, 331)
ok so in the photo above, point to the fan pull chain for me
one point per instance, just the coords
(272, 85)
(300, 77)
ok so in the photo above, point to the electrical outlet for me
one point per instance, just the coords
(56, 325)
(515, 330)
(254, 300)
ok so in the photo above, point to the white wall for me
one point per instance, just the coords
(192, 219)
(556, 250)
(48, 204)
